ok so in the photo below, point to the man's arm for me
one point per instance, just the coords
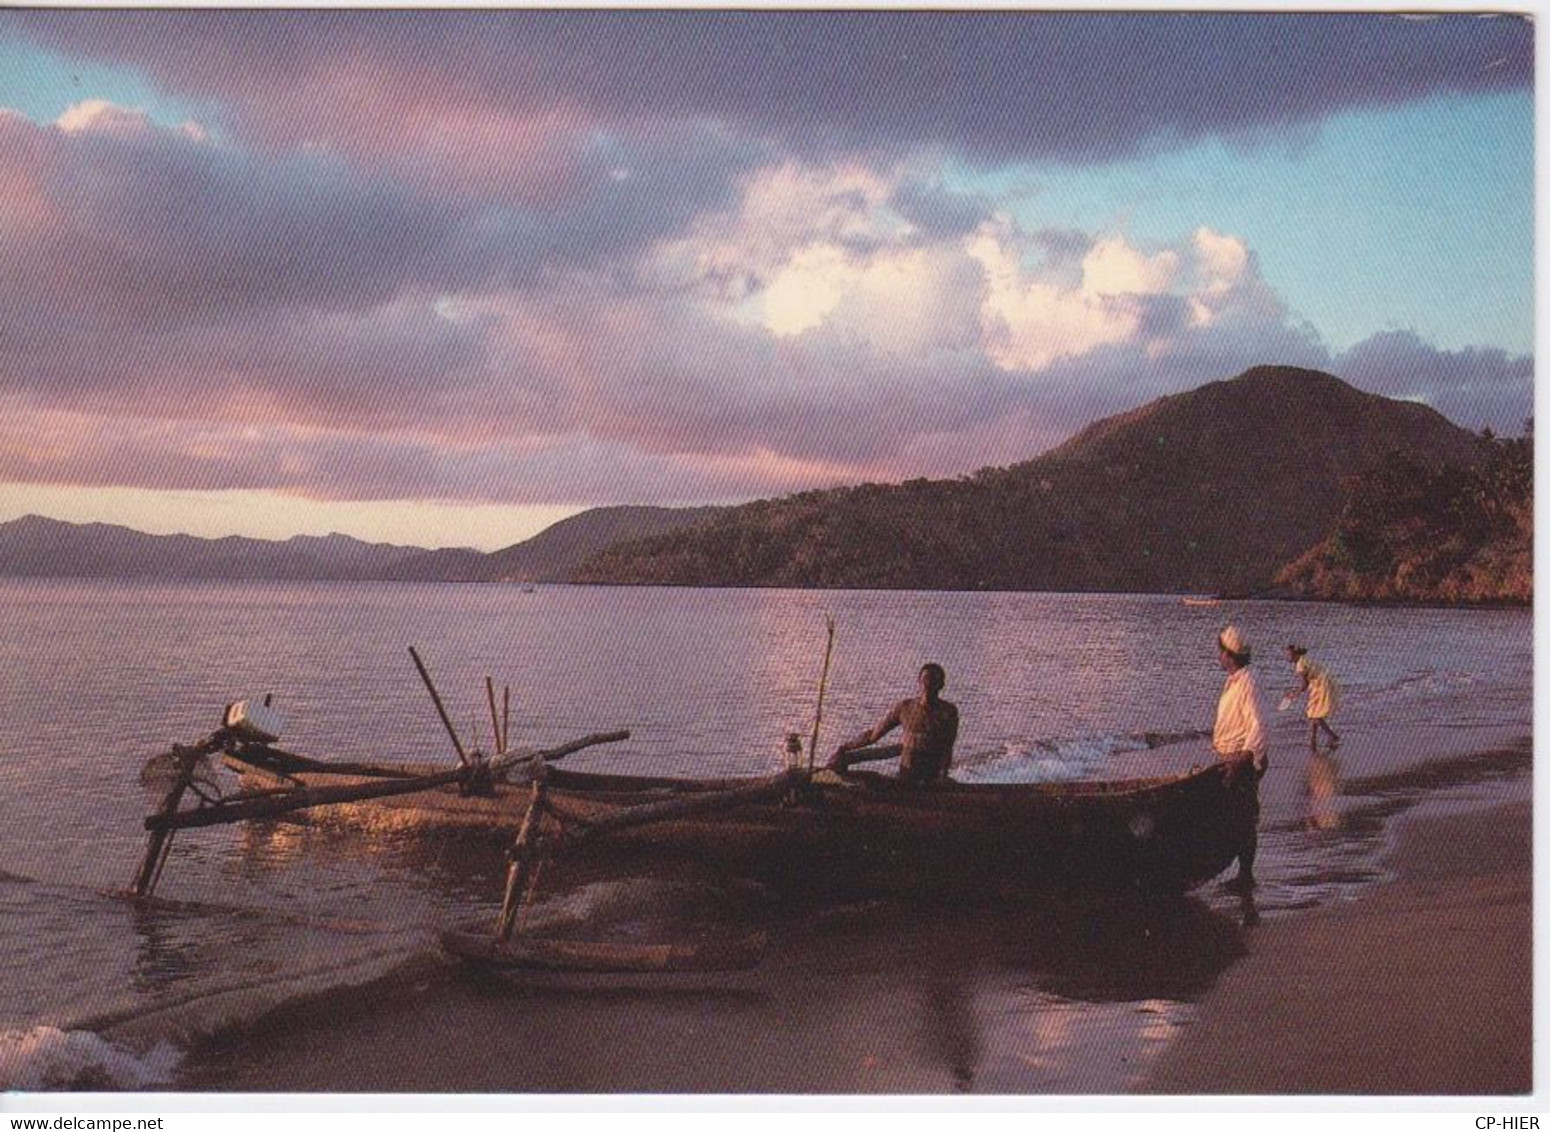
(1257, 740)
(950, 740)
(839, 762)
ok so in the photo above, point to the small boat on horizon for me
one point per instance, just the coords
(1202, 601)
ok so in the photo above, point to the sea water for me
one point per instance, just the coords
(97, 677)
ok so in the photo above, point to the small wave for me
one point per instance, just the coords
(1062, 760)
(1419, 685)
(619, 903)
(220, 1006)
(43, 1058)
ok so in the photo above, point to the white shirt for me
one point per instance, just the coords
(1240, 725)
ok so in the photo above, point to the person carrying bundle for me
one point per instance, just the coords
(1322, 692)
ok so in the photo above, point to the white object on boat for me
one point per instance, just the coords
(255, 720)
(1286, 702)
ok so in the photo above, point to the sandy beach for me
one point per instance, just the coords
(1420, 987)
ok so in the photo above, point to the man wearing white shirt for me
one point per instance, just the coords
(1240, 729)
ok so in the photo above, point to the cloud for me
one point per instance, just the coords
(100, 116)
(150, 268)
(1476, 387)
(1034, 317)
(521, 89)
(147, 220)
(72, 449)
(685, 324)
(809, 334)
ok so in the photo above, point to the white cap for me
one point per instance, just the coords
(1232, 640)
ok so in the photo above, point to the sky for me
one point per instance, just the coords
(444, 277)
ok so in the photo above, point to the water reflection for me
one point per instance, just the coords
(163, 951)
(946, 1006)
(905, 997)
(996, 986)
(267, 847)
(1323, 785)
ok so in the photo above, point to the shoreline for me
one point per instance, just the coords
(1419, 987)
(1484, 605)
(1423, 987)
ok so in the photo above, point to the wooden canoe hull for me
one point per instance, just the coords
(874, 834)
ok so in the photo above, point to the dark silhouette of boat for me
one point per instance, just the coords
(860, 831)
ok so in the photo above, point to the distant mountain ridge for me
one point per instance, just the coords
(35, 546)
(1214, 490)
(554, 553)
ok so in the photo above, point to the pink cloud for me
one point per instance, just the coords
(181, 313)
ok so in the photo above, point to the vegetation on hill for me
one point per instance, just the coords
(1211, 490)
(555, 552)
(1453, 533)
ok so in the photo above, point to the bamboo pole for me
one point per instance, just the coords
(823, 683)
(513, 759)
(521, 860)
(160, 843)
(462, 756)
(270, 805)
(498, 738)
(286, 762)
(161, 863)
(762, 790)
(505, 718)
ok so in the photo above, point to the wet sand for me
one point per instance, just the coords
(866, 999)
(1419, 987)
(1422, 987)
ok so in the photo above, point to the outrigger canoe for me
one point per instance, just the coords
(797, 830)
(859, 832)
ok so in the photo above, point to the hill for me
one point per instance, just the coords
(1212, 490)
(1452, 533)
(554, 553)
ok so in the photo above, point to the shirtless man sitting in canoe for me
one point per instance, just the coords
(930, 729)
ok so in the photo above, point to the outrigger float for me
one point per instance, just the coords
(858, 831)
